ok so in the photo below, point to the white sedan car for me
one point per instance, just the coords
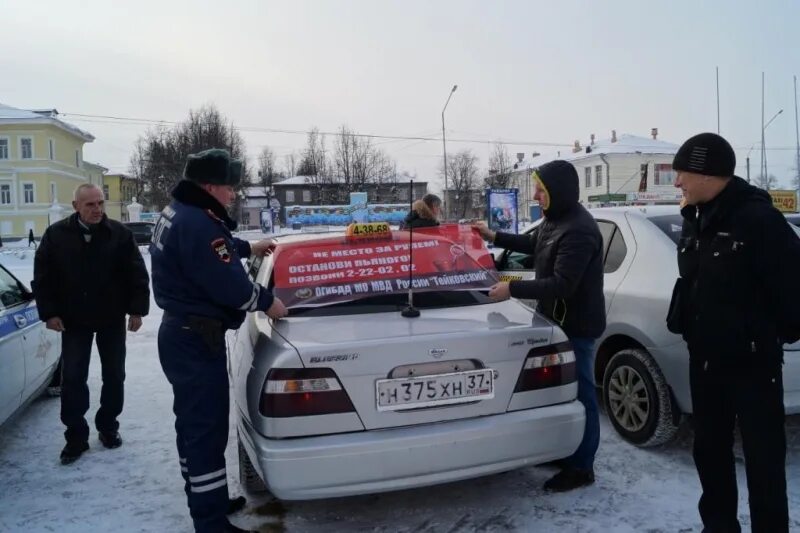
(28, 351)
(349, 396)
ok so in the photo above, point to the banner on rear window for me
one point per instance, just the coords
(337, 269)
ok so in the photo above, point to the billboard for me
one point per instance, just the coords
(501, 210)
(784, 201)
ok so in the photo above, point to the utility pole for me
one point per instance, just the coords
(797, 136)
(763, 162)
(717, 100)
(444, 150)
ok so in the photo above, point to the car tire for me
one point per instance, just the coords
(248, 475)
(638, 400)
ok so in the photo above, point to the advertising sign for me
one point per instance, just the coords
(501, 211)
(784, 201)
(266, 220)
(339, 269)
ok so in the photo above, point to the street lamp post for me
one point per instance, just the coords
(444, 149)
(764, 164)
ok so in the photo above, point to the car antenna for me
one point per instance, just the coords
(410, 311)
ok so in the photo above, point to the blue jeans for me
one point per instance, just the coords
(583, 457)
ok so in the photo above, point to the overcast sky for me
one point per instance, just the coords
(532, 71)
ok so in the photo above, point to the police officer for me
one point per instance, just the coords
(737, 258)
(199, 282)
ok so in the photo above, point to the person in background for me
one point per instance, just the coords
(567, 252)
(88, 274)
(425, 213)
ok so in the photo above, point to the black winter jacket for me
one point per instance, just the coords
(568, 258)
(89, 284)
(738, 262)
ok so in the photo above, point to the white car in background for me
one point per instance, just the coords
(29, 352)
(348, 396)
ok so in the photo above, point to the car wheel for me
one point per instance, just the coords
(637, 399)
(248, 475)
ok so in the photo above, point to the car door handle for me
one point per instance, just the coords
(21, 321)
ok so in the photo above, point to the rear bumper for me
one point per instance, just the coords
(402, 458)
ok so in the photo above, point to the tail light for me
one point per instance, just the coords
(303, 392)
(547, 366)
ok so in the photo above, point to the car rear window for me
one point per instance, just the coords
(339, 275)
(669, 224)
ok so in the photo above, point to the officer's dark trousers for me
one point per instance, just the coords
(76, 351)
(751, 393)
(199, 379)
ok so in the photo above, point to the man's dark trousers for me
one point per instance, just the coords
(76, 350)
(752, 393)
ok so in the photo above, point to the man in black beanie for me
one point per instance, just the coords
(734, 304)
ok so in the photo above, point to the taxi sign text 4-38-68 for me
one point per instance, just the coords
(434, 390)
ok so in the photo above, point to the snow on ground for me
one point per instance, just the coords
(138, 487)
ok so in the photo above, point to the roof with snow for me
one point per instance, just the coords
(12, 115)
(625, 144)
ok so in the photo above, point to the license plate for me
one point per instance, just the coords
(438, 389)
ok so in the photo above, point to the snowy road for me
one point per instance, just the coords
(138, 486)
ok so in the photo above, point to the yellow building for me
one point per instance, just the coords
(41, 164)
(119, 190)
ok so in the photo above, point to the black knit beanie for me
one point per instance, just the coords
(707, 154)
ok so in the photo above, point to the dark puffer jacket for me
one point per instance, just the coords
(90, 284)
(568, 257)
(738, 259)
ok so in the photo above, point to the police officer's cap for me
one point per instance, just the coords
(213, 166)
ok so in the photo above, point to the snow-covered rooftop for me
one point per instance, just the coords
(625, 144)
(13, 115)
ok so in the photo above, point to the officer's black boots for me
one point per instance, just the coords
(236, 504)
(72, 451)
(569, 479)
(110, 440)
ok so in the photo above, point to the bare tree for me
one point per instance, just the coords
(357, 162)
(290, 164)
(267, 169)
(160, 155)
(500, 167)
(767, 183)
(463, 181)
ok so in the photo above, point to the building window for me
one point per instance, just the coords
(306, 196)
(598, 175)
(26, 148)
(78, 158)
(105, 192)
(246, 218)
(5, 194)
(52, 146)
(290, 196)
(588, 172)
(664, 174)
(53, 193)
(3, 148)
(27, 193)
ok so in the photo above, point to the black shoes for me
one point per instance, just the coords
(72, 451)
(236, 504)
(110, 440)
(568, 479)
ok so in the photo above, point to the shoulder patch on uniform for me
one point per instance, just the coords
(220, 247)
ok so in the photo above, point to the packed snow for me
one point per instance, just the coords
(138, 487)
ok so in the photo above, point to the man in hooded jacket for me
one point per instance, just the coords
(735, 304)
(568, 258)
